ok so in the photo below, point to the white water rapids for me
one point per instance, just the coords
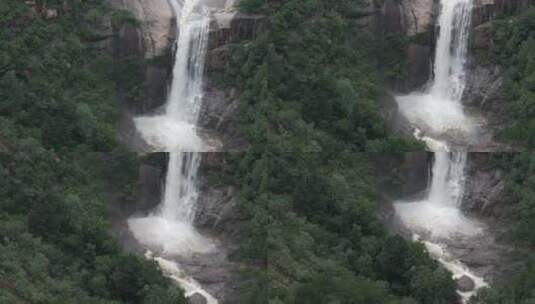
(438, 117)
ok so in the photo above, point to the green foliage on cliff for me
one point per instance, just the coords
(57, 106)
(515, 46)
(312, 228)
(311, 79)
(519, 203)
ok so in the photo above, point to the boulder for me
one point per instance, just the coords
(465, 284)
(197, 298)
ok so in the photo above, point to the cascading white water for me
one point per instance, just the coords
(170, 226)
(438, 111)
(437, 219)
(181, 192)
(440, 106)
(169, 229)
(175, 130)
(449, 68)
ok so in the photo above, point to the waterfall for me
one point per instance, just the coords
(168, 230)
(445, 92)
(437, 111)
(439, 119)
(180, 195)
(447, 186)
(449, 68)
(175, 130)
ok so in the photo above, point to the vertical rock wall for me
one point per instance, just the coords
(414, 19)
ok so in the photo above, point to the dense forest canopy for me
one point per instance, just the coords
(310, 84)
(311, 80)
(58, 106)
(514, 39)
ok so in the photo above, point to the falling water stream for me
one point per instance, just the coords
(168, 230)
(175, 129)
(439, 120)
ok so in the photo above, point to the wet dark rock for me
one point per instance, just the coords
(219, 114)
(150, 184)
(465, 283)
(420, 65)
(197, 298)
(216, 208)
(394, 120)
(484, 189)
(403, 176)
(393, 17)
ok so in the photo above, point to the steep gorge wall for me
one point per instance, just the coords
(150, 41)
(484, 87)
(414, 19)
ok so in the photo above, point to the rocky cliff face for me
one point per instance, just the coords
(220, 106)
(484, 187)
(414, 19)
(484, 89)
(157, 26)
(404, 175)
(151, 39)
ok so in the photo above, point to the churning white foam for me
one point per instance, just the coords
(164, 133)
(169, 237)
(436, 115)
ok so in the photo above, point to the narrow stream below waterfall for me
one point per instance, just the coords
(439, 119)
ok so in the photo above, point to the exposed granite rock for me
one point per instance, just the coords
(484, 186)
(408, 17)
(219, 111)
(157, 28)
(217, 206)
(419, 16)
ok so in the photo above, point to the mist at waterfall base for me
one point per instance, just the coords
(437, 111)
(176, 129)
(437, 220)
(169, 229)
(438, 217)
